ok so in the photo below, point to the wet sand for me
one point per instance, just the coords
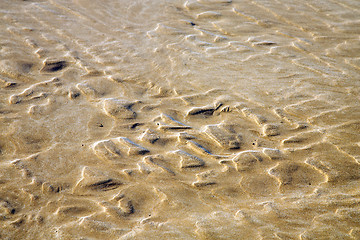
(208, 119)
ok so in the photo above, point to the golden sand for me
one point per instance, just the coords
(208, 119)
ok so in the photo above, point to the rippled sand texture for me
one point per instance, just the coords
(208, 119)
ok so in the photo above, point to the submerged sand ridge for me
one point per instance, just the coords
(205, 119)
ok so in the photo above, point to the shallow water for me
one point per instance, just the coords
(208, 119)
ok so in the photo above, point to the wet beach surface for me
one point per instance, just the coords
(207, 119)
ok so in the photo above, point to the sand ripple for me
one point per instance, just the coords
(208, 119)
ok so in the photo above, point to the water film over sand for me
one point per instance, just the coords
(207, 119)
